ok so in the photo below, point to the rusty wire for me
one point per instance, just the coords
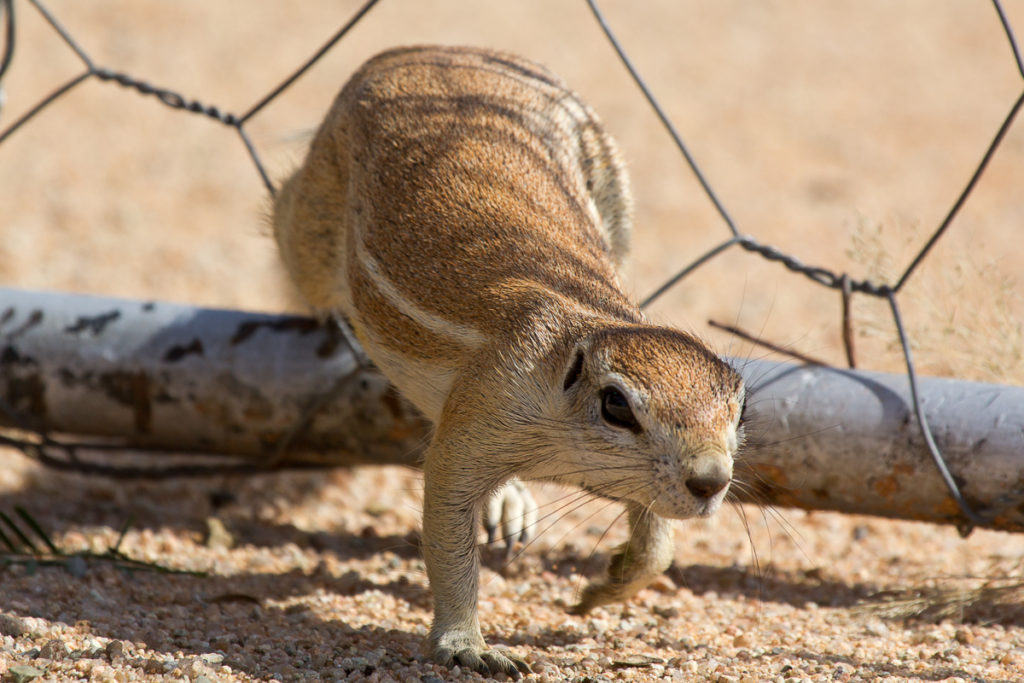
(841, 282)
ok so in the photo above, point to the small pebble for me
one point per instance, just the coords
(12, 626)
(637, 661)
(22, 673)
(217, 535)
(666, 612)
(153, 666)
(115, 650)
(53, 649)
(76, 566)
(877, 628)
(742, 640)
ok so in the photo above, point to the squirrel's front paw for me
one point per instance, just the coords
(513, 508)
(464, 652)
(487, 662)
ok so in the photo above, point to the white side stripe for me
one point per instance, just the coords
(463, 335)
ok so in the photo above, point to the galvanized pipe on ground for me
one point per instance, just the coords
(283, 390)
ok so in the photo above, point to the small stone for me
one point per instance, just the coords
(742, 640)
(153, 666)
(76, 566)
(964, 637)
(201, 679)
(221, 641)
(665, 612)
(217, 535)
(54, 649)
(12, 626)
(115, 650)
(348, 582)
(430, 678)
(22, 673)
(637, 661)
(877, 628)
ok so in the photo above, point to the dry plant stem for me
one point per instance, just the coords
(847, 322)
(944, 601)
(746, 336)
(115, 560)
(25, 551)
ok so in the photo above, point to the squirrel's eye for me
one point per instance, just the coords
(616, 411)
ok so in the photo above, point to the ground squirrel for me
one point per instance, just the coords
(468, 213)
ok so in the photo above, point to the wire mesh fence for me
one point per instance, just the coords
(846, 285)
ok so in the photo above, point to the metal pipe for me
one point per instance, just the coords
(162, 376)
(166, 377)
(822, 438)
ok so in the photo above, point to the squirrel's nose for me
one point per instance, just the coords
(707, 486)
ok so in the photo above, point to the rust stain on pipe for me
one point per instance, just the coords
(891, 485)
(131, 389)
(248, 328)
(95, 323)
(179, 351)
(35, 318)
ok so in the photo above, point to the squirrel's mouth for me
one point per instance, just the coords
(681, 505)
(687, 505)
(709, 506)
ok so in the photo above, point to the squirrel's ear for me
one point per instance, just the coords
(575, 370)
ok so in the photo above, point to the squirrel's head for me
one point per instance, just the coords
(656, 419)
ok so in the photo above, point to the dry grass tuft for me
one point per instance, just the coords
(954, 599)
(962, 311)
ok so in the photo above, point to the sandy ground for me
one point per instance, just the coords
(840, 132)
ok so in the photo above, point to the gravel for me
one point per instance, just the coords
(325, 582)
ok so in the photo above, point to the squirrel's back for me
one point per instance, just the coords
(450, 194)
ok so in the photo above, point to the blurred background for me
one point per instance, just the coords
(841, 133)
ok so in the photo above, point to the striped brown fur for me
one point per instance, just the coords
(469, 214)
